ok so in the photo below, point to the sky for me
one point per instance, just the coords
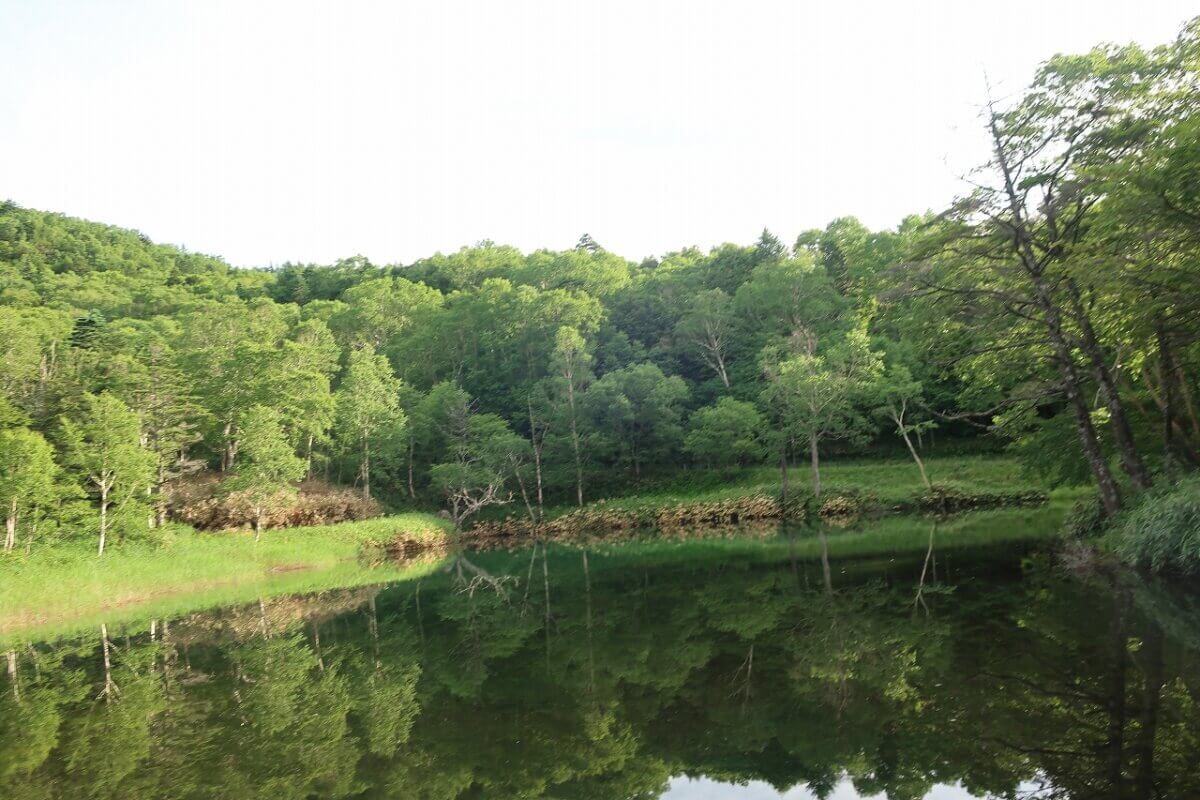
(682, 788)
(267, 132)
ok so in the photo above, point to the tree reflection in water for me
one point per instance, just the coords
(602, 674)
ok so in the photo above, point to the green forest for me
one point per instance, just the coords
(1052, 311)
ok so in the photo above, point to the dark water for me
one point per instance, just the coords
(705, 672)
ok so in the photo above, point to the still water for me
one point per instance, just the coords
(708, 670)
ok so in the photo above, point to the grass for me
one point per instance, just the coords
(1162, 531)
(56, 589)
(886, 483)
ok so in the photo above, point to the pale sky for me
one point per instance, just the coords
(682, 788)
(308, 131)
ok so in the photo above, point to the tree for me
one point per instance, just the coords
(571, 364)
(268, 466)
(104, 448)
(898, 396)
(638, 410)
(308, 361)
(482, 453)
(27, 476)
(819, 394)
(707, 327)
(155, 387)
(726, 434)
(368, 408)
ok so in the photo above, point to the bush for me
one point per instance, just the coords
(1085, 520)
(1163, 531)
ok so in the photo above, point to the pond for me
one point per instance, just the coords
(709, 669)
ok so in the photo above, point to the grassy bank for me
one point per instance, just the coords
(70, 586)
(60, 589)
(889, 483)
(874, 485)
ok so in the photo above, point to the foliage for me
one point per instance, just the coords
(727, 433)
(269, 465)
(104, 452)
(1163, 531)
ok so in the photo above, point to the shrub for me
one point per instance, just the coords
(1163, 531)
(1085, 520)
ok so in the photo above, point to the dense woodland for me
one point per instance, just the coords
(1055, 307)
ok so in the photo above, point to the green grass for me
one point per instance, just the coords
(885, 483)
(64, 587)
(57, 590)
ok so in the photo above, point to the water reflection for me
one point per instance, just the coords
(555, 673)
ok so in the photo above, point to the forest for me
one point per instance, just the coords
(1053, 311)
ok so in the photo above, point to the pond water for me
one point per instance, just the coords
(706, 670)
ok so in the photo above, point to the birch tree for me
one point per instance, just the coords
(368, 408)
(104, 447)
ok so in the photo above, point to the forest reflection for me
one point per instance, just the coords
(564, 673)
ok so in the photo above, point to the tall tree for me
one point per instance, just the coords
(104, 447)
(368, 408)
(482, 453)
(638, 410)
(707, 327)
(27, 477)
(571, 364)
(820, 394)
(898, 399)
(269, 466)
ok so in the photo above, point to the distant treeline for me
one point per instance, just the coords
(1057, 305)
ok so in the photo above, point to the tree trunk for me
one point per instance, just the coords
(1110, 496)
(1023, 249)
(308, 455)
(229, 454)
(815, 459)
(1188, 402)
(578, 460)
(783, 475)
(1131, 461)
(103, 517)
(160, 505)
(366, 470)
(721, 369)
(1180, 440)
(412, 492)
(916, 456)
(258, 515)
(10, 527)
(570, 376)
(525, 495)
(537, 458)
(1166, 380)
